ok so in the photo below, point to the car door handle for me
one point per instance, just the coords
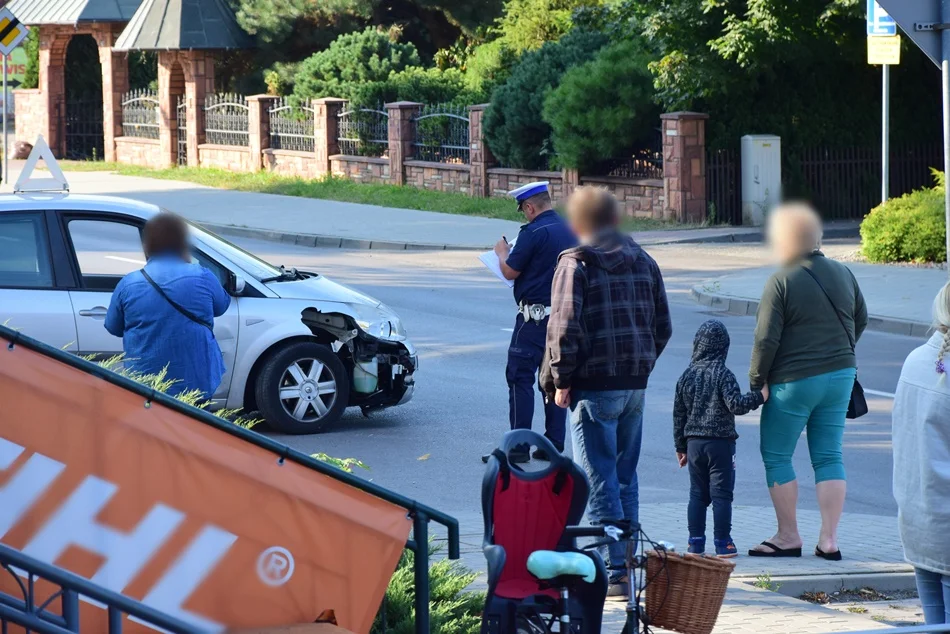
(99, 312)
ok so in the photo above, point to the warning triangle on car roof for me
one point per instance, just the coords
(27, 184)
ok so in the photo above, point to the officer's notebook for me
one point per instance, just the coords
(490, 259)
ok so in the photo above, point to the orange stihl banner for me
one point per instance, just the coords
(190, 519)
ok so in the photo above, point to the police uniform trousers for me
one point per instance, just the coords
(524, 359)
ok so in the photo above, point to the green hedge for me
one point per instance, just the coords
(911, 228)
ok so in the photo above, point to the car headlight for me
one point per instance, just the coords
(382, 324)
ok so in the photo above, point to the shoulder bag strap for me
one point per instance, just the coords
(181, 309)
(833, 307)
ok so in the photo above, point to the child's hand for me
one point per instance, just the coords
(765, 393)
(681, 459)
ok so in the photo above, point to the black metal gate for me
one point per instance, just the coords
(182, 132)
(723, 186)
(84, 129)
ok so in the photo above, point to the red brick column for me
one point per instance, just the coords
(480, 157)
(52, 85)
(258, 132)
(684, 166)
(171, 86)
(199, 82)
(570, 180)
(401, 136)
(115, 83)
(326, 120)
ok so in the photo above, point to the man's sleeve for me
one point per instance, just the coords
(522, 252)
(564, 327)
(860, 311)
(115, 316)
(769, 323)
(663, 325)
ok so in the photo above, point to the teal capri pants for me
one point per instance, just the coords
(817, 404)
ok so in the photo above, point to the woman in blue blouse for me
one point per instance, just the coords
(165, 312)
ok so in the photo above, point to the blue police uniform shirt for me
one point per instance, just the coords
(535, 254)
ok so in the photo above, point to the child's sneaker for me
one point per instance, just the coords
(725, 549)
(697, 545)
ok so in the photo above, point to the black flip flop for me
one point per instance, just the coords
(835, 556)
(776, 551)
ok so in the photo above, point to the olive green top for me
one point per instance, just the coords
(797, 334)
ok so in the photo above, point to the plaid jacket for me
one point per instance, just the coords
(609, 317)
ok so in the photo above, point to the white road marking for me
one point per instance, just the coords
(508, 329)
(879, 393)
(121, 259)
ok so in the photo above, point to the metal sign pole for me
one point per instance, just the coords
(6, 146)
(885, 129)
(945, 84)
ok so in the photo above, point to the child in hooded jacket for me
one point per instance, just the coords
(708, 399)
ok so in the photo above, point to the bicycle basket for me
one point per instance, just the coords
(685, 592)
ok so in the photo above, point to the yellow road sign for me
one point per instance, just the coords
(12, 32)
(884, 49)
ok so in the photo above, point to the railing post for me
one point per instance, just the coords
(401, 137)
(684, 166)
(420, 564)
(480, 157)
(258, 127)
(70, 609)
(326, 112)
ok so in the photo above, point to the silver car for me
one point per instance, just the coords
(298, 347)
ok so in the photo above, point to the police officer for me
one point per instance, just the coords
(530, 262)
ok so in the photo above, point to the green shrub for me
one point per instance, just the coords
(488, 66)
(514, 128)
(425, 85)
(526, 25)
(911, 228)
(602, 107)
(31, 46)
(451, 609)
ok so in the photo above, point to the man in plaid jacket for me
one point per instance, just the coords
(610, 320)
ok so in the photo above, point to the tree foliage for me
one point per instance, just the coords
(603, 107)
(514, 128)
(31, 46)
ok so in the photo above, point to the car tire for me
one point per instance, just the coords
(303, 389)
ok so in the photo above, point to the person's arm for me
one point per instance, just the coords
(860, 311)
(663, 324)
(220, 300)
(680, 417)
(514, 260)
(564, 326)
(115, 316)
(769, 323)
(737, 402)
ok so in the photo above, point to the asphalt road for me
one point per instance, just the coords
(460, 318)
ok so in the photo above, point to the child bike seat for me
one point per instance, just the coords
(548, 564)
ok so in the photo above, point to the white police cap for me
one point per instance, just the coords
(527, 191)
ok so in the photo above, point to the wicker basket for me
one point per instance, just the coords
(685, 592)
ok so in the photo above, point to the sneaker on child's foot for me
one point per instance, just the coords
(726, 549)
(697, 545)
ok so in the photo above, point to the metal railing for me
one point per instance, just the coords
(226, 119)
(645, 161)
(291, 127)
(363, 132)
(420, 514)
(140, 114)
(31, 612)
(442, 134)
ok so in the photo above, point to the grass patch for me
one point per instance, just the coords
(344, 190)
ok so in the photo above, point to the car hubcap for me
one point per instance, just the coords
(307, 390)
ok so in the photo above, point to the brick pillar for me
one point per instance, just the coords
(480, 157)
(401, 136)
(258, 132)
(171, 85)
(326, 113)
(115, 83)
(52, 85)
(684, 166)
(570, 180)
(199, 82)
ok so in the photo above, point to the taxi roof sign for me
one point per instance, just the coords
(27, 184)
(12, 31)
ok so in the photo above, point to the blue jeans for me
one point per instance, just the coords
(934, 591)
(712, 479)
(607, 429)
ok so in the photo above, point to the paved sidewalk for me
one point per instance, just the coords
(899, 298)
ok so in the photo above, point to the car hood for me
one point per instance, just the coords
(319, 288)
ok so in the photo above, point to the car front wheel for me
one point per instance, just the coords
(303, 388)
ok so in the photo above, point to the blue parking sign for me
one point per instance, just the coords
(879, 22)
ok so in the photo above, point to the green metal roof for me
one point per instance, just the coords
(182, 25)
(33, 12)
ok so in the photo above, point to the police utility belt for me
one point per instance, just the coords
(534, 312)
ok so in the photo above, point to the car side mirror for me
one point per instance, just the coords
(236, 285)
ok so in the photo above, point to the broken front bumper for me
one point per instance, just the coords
(398, 363)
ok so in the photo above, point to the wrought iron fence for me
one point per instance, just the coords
(291, 127)
(84, 130)
(182, 140)
(226, 119)
(441, 134)
(363, 132)
(723, 186)
(140, 114)
(645, 161)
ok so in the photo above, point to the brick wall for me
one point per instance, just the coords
(443, 177)
(502, 180)
(291, 163)
(640, 197)
(226, 157)
(30, 115)
(362, 169)
(142, 152)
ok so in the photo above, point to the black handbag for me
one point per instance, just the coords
(858, 405)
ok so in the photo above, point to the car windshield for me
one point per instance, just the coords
(251, 264)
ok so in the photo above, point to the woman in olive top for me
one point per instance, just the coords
(805, 354)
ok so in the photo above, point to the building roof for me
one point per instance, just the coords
(182, 25)
(33, 12)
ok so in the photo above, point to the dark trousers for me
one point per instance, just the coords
(712, 479)
(524, 359)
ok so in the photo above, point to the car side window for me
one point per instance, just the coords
(24, 252)
(106, 251)
(219, 271)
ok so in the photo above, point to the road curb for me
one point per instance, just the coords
(703, 294)
(331, 242)
(741, 235)
(795, 586)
